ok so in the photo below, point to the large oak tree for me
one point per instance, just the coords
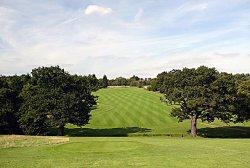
(205, 94)
(54, 98)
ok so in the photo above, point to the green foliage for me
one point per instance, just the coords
(55, 98)
(7, 111)
(205, 94)
(190, 88)
(93, 83)
(152, 85)
(10, 88)
(104, 81)
(120, 81)
(50, 97)
(244, 88)
(133, 81)
(224, 97)
(34, 110)
(243, 101)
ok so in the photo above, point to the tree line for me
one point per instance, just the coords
(50, 97)
(47, 98)
(206, 94)
(132, 81)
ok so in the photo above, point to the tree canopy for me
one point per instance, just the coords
(104, 81)
(50, 98)
(10, 102)
(205, 94)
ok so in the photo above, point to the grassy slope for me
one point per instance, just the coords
(126, 111)
(133, 107)
(131, 152)
(118, 108)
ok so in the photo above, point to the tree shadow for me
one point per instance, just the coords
(225, 132)
(90, 132)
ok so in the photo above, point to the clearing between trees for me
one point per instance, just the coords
(132, 111)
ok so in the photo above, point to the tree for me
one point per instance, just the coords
(54, 98)
(224, 97)
(34, 110)
(105, 81)
(8, 118)
(153, 85)
(73, 106)
(206, 94)
(93, 82)
(243, 101)
(191, 89)
(133, 81)
(10, 101)
(120, 81)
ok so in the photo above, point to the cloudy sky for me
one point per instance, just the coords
(122, 38)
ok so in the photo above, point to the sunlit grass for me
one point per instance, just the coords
(131, 111)
(131, 152)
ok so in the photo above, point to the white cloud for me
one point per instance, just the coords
(190, 7)
(92, 9)
(138, 15)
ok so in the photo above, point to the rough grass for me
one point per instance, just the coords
(130, 111)
(131, 152)
(11, 141)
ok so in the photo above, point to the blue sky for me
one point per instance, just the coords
(122, 38)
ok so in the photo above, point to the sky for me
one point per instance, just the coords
(124, 38)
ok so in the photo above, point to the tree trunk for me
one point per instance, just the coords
(61, 130)
(193, 126)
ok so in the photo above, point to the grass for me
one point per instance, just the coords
(131, 112)
(131, 152)
(13, 141)
(134, 111)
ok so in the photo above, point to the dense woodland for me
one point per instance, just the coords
(49, 97)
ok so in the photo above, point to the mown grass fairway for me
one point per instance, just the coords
(133, 111)
(131, 152)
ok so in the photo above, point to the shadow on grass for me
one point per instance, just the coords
(89, 132)
(225, 132)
